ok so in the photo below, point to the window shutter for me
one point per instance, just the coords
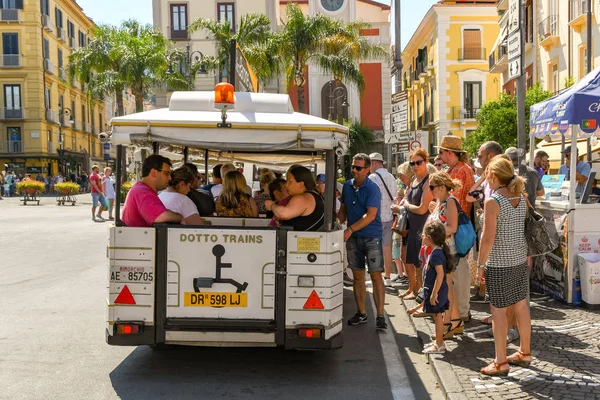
(472, 43)
(19, 4)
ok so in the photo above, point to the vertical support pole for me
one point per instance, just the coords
(186, 154)
(118, 173)
(206, 166)
(329, 189)
(521, 89)
(232, 54)
(589, 64)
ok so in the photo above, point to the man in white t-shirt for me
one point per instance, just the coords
(389, 192)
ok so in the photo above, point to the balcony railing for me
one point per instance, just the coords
(87, 127)
(95, 130)
(52, 116)
(471, 53)
(77, 125)
(49, 66)
(75, 83)
(497, 60)
(12, 113)
(48, 24)
(60, 34)
(62, 74)
(14, 146)
(465, 113)
(578, 8)
(11, 60)
(72, 43)
(10, 15)
(548, 27)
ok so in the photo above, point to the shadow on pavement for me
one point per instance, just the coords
(357, 371)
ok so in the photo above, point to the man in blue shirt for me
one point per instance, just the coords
(361, 200)
(583, 170)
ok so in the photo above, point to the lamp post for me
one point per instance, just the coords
(333, 98)
(64, 112)
(187, 61)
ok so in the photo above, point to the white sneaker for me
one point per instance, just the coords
(387, 282)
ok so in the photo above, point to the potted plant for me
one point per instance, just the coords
(125, 189)
(30, 187)
(67, 188)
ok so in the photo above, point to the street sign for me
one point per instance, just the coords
(403, 147)
(399, 118)
(386, 124)
(399, 137)
(415, 144)
(514, 68)
(513, 15)
(514, 44)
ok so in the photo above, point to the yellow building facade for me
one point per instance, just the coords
(47, 125)
(445, 69)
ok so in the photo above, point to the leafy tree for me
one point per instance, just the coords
(132, 55)
(498, 120)
(361, 138)
(333, 45)
(254, 38)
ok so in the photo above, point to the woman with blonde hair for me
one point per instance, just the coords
(416, 201)
(234, 201)
(503, 255)
(405, 175)
(266, 177)
(445, 210)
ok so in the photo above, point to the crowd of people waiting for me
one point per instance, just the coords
(9, 180)
(491, 193)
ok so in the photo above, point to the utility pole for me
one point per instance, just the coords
(589, 64)
(521, 88)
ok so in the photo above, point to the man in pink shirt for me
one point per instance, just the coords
(142, 205)
(97, 195)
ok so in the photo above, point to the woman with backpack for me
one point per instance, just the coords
(445, 210)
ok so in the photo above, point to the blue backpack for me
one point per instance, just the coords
(465, 235)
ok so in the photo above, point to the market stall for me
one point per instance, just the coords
(570, 215)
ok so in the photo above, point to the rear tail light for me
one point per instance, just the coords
(128, 329)
(311, 333)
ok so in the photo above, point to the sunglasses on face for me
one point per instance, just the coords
(439, 165)
(358, 167)
(413, 163)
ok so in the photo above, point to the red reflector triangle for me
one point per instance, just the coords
(314, 301)
(125, 297)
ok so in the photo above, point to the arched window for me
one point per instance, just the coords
(334, 100)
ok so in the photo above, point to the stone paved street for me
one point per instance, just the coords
(565, 346)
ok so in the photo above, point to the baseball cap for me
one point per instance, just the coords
(567, 149)
(376, 157)
(512, 153)
(321, 177)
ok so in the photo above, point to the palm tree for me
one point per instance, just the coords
(333, 45)
(99, 64)
(253, 34)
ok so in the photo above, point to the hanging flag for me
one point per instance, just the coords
(532, 131)
(554, 127)
(588, 125)
(563, 127)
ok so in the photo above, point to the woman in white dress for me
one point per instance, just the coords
(108, 189)
(175, 196)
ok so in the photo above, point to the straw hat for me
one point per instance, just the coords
(452, 143)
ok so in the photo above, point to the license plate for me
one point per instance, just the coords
(215, 299)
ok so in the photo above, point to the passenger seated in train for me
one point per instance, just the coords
(234, 200)
(175, 196)
(279, 194)
(306, 209)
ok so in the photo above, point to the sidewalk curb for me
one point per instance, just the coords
(448, 380)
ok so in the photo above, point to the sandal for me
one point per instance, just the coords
(458, 329)
(518, 359)
(413, 310)
(495, 371)
(449, 325)
(403, 295)
(487, 320)
(410, 296)
(433, 348)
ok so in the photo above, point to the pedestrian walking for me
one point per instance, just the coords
(456, 158)
(361, 200)
(503, 255)
(97, 195)
(387, 186)
(108, 189)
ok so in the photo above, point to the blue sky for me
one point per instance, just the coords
(115, 11)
